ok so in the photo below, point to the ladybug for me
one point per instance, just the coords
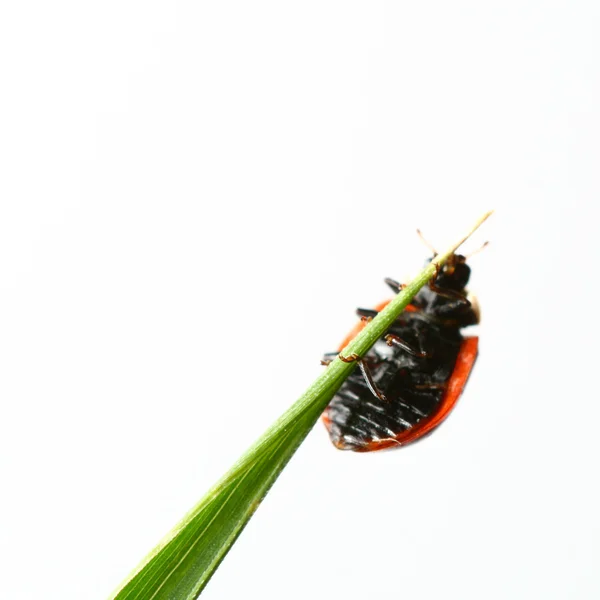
(412, 377)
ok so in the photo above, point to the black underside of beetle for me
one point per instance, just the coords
(413, 386)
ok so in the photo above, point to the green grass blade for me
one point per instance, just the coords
(182, 564)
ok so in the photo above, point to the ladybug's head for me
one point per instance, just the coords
(452, 276)
(454, 273)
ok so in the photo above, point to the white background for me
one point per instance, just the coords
(194, 198)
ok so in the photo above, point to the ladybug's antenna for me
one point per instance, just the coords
(477, 251)
(435, 252)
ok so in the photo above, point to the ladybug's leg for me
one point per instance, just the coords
(368, 377)
(461, 300)
(327, 358)
(366, 372)
(396, 287)
(394, 340)
(366, 313)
